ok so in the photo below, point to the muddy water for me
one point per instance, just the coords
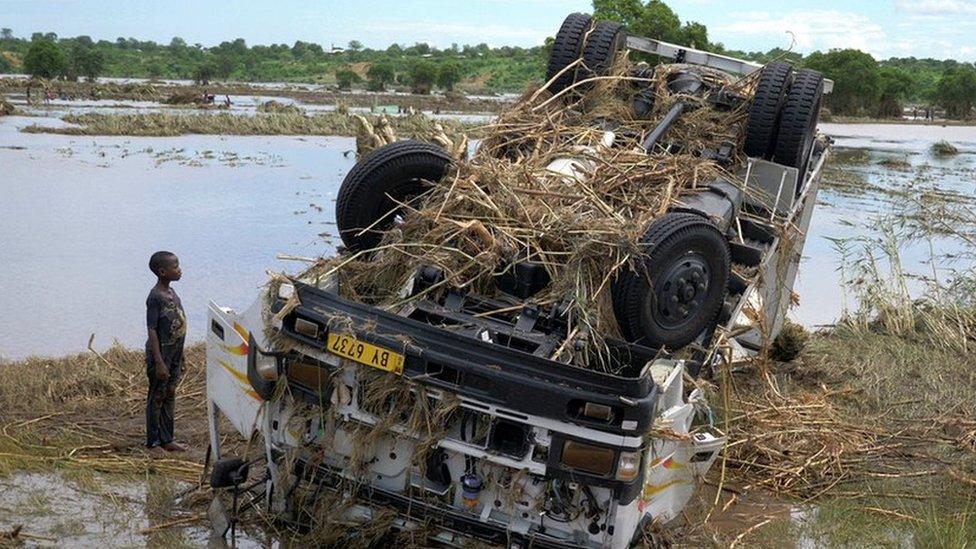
(878, 170)
(58, 511)
(79, 217)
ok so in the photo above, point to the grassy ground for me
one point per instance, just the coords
(87, 412)
(865, 439)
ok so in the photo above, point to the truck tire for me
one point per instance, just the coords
(566, 49)
(383, 178)
(774, 81)
(798, 122)
(601, 48)
(678, 286)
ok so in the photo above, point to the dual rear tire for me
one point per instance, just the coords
(597, 44)
(783, 116)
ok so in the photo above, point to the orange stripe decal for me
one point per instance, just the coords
(239, 350)
(651, 490)
(239, 377)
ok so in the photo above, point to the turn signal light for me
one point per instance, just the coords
(628, 466)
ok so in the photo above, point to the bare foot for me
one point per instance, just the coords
(174, 447)
(157, 452)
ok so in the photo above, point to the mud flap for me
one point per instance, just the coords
(219, 519)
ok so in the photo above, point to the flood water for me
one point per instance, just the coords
(58, 510)
(79, 217)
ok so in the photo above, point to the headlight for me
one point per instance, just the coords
(267, 370)
(628, 466)
(588, 458)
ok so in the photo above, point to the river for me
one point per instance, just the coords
(79, 217)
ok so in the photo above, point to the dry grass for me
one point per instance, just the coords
(877, 410)
(88, 411)
(279, 123)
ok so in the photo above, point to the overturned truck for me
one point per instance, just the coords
(496, 408)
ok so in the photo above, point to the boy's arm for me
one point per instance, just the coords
(152, 321)
(162, 369)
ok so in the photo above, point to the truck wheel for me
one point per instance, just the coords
(774, 81)
(798, 122)
(601, 48)
(369, 196)
(678, 286)
(566, 49)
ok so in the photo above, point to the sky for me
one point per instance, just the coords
(883, 28)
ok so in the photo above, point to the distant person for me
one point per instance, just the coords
(227, 101)
(28, 94)
(164, 353)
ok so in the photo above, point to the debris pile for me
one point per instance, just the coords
(505, 205)
(278, 107)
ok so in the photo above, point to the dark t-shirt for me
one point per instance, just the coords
(164, 313)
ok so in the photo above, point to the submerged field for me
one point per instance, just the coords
(868, 437)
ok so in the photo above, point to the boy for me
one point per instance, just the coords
(164, 353)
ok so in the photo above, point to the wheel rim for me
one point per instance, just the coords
(679, 294)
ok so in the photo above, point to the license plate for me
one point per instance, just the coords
(349, 347)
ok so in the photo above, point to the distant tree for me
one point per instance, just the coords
(420, 48)
(380, 74)
(121, 42)
(224, 65)
(956, 91)
(857, 83)
(177, 44)
(204, 73)
(84, 40)
(448, 75)
(695, 35)
(86, 61)
(305, 51)
(395, 50)
(5, 66)
(156, 69)
(45, 59)
(354, 45)
(895, 86)
(6, 34)
(346, 77)
(423, 75)
(653, 19)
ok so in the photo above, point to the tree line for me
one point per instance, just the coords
(419, 68)
(864, 86)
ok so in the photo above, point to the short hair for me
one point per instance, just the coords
(159, 259)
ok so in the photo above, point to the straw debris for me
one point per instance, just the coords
(505, 205)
